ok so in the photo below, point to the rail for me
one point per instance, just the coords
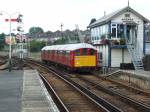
(102, 103)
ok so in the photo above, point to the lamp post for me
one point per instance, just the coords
(10, 15)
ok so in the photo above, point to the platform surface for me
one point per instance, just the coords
(35, 97)
(140, 73)
(24, 91)
(11, 91)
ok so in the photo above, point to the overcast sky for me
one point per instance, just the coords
(49, 14)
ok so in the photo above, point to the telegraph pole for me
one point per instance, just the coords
(10, 37)
(61, 26)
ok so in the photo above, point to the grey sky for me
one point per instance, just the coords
(48, 14)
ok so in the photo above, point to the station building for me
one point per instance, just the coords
(111, 34)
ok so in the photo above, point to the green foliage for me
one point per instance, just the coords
(67, 40)
(36, 46)
(122, 41)
(61, 41)
(93, 20)
(35, 30)
(2, 41)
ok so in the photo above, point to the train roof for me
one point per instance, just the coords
(69, 47)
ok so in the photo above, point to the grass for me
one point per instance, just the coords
(4, 53)
(35, 55)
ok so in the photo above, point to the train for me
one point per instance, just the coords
(74, 57)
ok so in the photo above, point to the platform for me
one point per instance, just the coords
(11, 91)
(140, 73)
(23, 91)
(35, 97)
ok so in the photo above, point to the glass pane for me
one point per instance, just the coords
(120, 31)
(84, 51)
(92, 52)
(113, 32)
(77, 52)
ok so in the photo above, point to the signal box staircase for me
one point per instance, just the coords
(135, 57)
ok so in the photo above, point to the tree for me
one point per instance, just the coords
(61, 41)
(92, 20)
(36, 46)
(2, 41)
(35, 30)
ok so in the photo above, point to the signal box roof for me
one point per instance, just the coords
(69, 47)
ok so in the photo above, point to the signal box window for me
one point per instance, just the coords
(113, 32)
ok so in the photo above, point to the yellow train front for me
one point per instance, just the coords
(82, 56)
(84, 59)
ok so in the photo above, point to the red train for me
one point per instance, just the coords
(81, 56)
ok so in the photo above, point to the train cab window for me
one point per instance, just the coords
(84, 51)
(92, 52)
(77, 52)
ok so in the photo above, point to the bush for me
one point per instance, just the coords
(115, 42)
(122, 41)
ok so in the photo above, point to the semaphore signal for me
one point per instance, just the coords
(12, 20)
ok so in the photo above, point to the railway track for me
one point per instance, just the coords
(127, 98)
(115, 94)
(3, 59)
(74, 96)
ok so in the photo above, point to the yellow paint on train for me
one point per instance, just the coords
(81, 61)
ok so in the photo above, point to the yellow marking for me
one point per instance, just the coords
(81, 61)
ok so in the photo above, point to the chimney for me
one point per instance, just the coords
(104, 13)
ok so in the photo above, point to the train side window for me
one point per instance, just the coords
(67, 53)
(77, 52)
(49, 51)
(60, 53)
(92, 52)
(64, 53)
(53, 52)
(57, 52)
